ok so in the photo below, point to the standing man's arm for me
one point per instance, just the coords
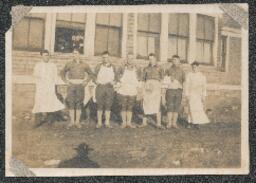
(96, 71)
(116, 78)
(64, 72)
(144, 75)
(88, 70)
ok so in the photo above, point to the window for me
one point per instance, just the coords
(70, 32)
(205, 39)
(108, 33)
(28, 34)
(148, 37)
(178, 29)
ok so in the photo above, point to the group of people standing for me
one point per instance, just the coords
(153, 86)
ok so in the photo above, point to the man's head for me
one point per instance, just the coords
(129, 61)
(170, 63)
(76, 54)
(152, 59)
(105, 57)
(45, 55)
(130, 57)
(176, 60)
(195, 66)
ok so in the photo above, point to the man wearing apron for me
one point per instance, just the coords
(152, 76)
(127, 91)
(76, 75)
(46, 74)
(105, 80)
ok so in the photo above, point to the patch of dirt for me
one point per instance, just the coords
(213, 145)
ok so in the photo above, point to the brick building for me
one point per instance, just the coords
(214, 40)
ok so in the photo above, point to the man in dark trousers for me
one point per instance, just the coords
(76, 74)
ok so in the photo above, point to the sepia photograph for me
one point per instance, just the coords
(127, 90)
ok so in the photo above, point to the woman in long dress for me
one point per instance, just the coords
(196, 93)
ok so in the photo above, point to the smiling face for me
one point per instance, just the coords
(105, 58)
(76, 55)
(152, 60)
(46, 57)
(176, 61)
(195, 68)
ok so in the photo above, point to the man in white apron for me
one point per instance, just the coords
(46, 75)
(76, 74)
(127, 91)
(105, 80)
(152, 76)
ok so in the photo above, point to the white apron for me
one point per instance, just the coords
(195, 91)
(105, 75)
(129, 83)
(45, 97)
(152, 97)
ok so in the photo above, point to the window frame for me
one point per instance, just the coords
(72, 22)
(28, 48)
(177, 36)
(212, 42)
(148, 34)
(109, 26)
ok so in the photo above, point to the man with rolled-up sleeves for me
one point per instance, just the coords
(76, 74)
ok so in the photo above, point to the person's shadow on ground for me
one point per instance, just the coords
(81, 160)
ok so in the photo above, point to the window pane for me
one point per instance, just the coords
(207, 52)
(182, 48)
(79, 17)
(200, 27)
(64, 16)
(183, 24)
(142, 46)
(157, 46)
(114, 41)
(155, 23)
(209, 28)
(20, 34)
(102, 18)
(67, 39)
(116, 19)
(151, 45)
(101, 39)
(70, 25)
(143, 21)
(172, 46)
(199, 51)
(36, 34)
(173, 24)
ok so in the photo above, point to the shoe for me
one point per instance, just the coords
(143, 125)
(98, 125)
(78, 125)
(169, 126)
(124, 126)
(70, 125)
(108, 126)
(131, 126)
(159, 127)
(175, 126)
